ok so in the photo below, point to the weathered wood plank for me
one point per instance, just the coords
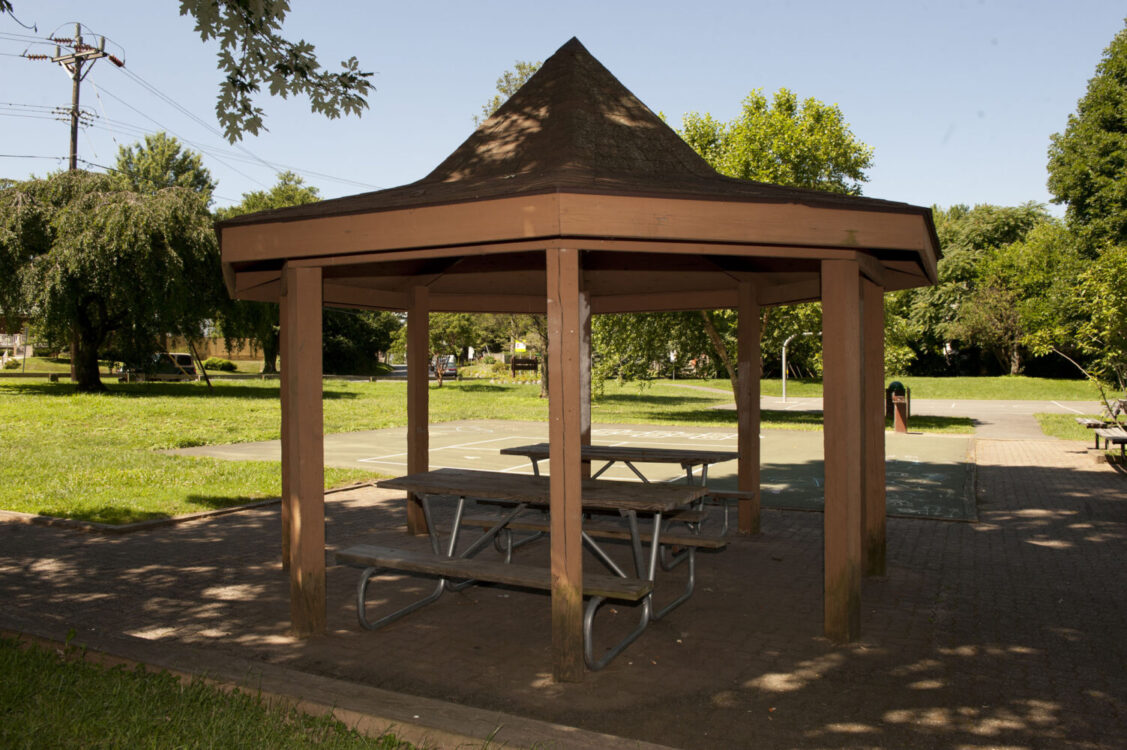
(418, 394)
(842, 355)
(305, 427)
(493, 571)
(873, 507)
(747, 406)
(598, 494)
(565, 435)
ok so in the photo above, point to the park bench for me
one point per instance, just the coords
(524, 364)
(1110, 435)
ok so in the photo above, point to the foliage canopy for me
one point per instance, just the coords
(1088, 161)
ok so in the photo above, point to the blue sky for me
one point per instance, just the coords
(957, 98)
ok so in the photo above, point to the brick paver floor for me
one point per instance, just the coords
(1009, 632)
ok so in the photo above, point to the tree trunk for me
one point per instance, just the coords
(1015, 360)
(721, 350)
(270, 354)
(85, 363)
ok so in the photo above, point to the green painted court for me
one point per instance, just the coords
(928, 476)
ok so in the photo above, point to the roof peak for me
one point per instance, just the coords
(574, 118)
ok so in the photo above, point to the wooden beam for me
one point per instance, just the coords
(418, 394)
(784, 294)
(584, 374)
(665, 301)
(843, 398)
(288, 424)
(306, 454)
(565, 438)
(747, 407)
(873, 544)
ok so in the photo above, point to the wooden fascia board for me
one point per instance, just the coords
(739, 222)
(429, 226)
(561, 217)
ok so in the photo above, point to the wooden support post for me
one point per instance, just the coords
(418, 393)
(565, 326)
(287, 428)
(306, 456)
(585, 375)
(873, 509)
(843, 399)
(747, 407)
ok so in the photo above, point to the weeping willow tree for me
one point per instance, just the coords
(105, 268)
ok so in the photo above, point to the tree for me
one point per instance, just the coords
(969, 237)
(784, 142)
(1088, 162)
(253, 53)
(106, 268)
(161, 163)
(241, 320)
(352, 338)
(507, 85)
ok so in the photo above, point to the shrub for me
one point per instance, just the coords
(13, 364)
(488, 359)
(218, 363)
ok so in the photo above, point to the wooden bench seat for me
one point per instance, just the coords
(454, 574)
(1092, 423)
(601, 530)
(493, 571)
(1116, 435)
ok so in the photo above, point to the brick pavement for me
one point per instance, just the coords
(1010, 632)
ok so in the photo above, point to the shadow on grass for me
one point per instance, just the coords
(479, 387)
(771, 418)
(118, 516)
(265, 390)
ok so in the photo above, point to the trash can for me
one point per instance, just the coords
(898, 403)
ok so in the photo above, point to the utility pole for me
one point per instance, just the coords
(80, 54)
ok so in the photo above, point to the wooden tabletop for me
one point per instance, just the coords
(632, 454)
(598, 494)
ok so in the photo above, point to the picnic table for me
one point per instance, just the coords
(456, 569)
(630, 455)
(1110, 435)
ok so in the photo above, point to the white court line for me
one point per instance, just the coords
(1075, 411)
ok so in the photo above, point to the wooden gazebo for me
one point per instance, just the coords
(575, 199)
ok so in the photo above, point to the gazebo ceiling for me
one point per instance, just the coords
(573, 159)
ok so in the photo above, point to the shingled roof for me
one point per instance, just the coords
(572, 127)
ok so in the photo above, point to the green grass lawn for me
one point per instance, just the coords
(48, 700)
(1065, 427)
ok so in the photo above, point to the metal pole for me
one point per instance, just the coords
(785, 343)
(788, 340)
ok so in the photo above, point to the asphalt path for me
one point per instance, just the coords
(994, 420)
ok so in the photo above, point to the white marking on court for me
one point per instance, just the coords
(1075, 411)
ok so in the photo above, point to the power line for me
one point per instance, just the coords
(84, 53)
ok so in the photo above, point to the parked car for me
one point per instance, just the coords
(165, 367)
(448, 364)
